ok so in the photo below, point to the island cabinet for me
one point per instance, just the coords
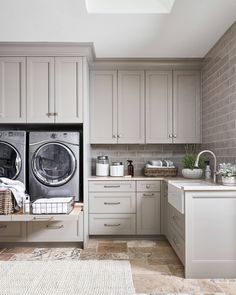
(13, 89)
(117, 107)
(126, 207)
(54, 89)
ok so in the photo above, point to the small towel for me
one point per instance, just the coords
(17, 188)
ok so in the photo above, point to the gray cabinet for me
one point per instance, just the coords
(12, 89)
(54, 89)
(173, 102)
(148, 208)
(11, 231)
(159, 107)
(103, 106)
(117, 107)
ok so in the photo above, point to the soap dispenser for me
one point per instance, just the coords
(130, 168)
(207, 170)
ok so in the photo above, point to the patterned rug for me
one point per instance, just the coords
(66, 278)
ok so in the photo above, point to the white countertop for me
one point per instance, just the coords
(133, 178)
(200, 185)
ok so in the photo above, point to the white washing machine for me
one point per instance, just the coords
(54, 164)
(13, 154)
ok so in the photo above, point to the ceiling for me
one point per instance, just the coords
(189, 31)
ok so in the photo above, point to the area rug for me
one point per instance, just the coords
(92, 277)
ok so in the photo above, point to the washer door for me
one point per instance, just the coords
(10, 161)
(53, 164)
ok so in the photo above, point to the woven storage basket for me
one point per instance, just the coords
(6, 202)
(155, 172)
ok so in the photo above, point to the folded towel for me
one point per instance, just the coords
(17, 188)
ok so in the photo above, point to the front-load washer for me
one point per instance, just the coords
(54, 164)
(13, 154)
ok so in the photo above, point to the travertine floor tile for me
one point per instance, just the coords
(141, 266)
(141, 243)
(6, 256)
(18, 250)
(111, 247)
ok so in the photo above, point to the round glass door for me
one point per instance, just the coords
(53, 164)
(10, 161)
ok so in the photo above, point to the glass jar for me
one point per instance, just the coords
(102, 166)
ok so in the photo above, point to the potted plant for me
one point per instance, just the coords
(189, 171)
(227, 173)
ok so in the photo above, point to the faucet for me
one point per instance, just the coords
(214, 156)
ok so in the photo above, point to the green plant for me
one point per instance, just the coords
(189, 161)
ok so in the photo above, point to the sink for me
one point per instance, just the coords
(176, 191)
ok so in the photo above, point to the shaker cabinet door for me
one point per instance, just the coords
(103, 107)
(131, 107)
(40, 89)
(159, 107)
(68, 89)
(186, 106)
(12, 89)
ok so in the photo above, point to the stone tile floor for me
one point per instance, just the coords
(155, 267)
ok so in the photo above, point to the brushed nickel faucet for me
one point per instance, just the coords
(214, 156)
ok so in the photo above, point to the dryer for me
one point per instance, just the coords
(54, 164)
(13, 154)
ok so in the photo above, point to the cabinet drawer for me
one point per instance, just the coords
(149, 186)
(12, 231)
(176, 219)
(177, 243)
(53, 231)
(112, 202)
(112, 224)
(112, 186)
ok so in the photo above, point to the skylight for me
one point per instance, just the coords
(129, 6)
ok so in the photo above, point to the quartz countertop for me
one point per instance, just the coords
(112, 178)
(200, 185)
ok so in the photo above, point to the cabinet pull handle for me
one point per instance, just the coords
(111, 186)
(42, 218)
(55, 114)
(3, 226)
(49, 114)
(148, 195)
(115, 203)
(106, 224)
(54, 226)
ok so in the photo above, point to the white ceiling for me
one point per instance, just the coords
(190, 30)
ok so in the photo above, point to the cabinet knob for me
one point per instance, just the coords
(170, 135)
(49, 114)
(113, 136)
(118, 136)
(174, 135)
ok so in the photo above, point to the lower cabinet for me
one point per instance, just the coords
(112, 224)
(124, 207)
(12, 231)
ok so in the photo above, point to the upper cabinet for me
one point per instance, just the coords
(131, 107)
(159, 107)
(186, 106)
(103, 106)
(12, 89)
(117, 107)
(173, 107)
(54, 89)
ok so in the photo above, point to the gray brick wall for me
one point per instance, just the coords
(219, 98)
(140, 154)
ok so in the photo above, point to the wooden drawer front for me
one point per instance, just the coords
(177, 220)
(53, 231)
(12, 231)
(111, 186)
(112, 203)
(149, 186)
(177, 243)
(112, 224)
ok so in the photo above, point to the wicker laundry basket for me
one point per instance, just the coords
(6, 202)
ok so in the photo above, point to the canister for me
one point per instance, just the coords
(102, 166)
(117, 169)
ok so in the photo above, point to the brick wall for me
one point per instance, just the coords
(219, 98)
(140, 154)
